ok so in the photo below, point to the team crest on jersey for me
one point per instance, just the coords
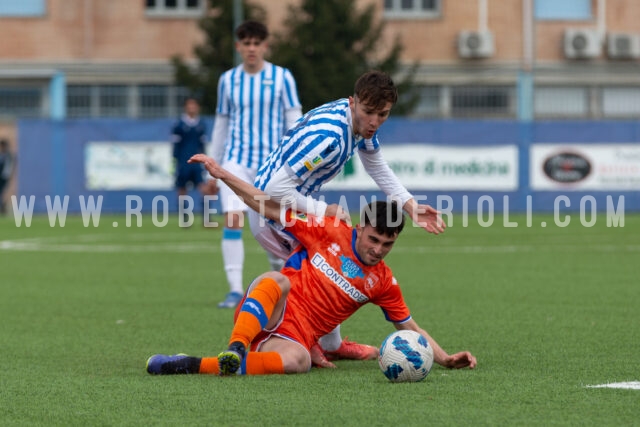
(350, 269)
(371, 281)
(333, 249)
(313, 163)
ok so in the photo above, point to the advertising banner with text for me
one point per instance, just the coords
(437, 167)
(124, 166)
(581, 167)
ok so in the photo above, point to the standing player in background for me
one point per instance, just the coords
(314, 152)
(189, 136)
(6, 170)
(257, 103)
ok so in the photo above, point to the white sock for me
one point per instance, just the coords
(331, 341)
(276, 262)
(233, 258)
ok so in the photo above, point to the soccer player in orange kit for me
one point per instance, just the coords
(336, 270)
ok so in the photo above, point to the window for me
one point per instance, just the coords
(144, 101)
(623, 102)
(78, 101)
(411, 9)
(175, 8)
(563, 10)
(21, 101)
(113, 101)
(555, 101)
(429, 103)
(154, 101)
(488, 101)
(23, 8)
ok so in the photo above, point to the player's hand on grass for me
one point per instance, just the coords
(428, 218)
(464, 359)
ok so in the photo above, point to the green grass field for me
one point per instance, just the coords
(546, 311)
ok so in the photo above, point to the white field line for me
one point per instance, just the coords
(628, 385)
(148, 243)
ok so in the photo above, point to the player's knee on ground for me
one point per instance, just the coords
(296, 362)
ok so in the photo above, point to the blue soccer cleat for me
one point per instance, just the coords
(231, 300)
(164, 364)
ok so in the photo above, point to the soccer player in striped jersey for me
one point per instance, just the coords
(336, 270)
(312, 153)
(257, 103)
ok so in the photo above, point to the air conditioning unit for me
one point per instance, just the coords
(623, 46)
(475, 44)
(582, 43)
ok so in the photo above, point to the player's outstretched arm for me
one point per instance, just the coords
(425, 216)
(378, 169)
(463, 359)
(254, 198)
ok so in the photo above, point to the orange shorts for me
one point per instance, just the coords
(290, 326)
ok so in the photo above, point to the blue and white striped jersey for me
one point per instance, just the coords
(255, 105)
(315, 150)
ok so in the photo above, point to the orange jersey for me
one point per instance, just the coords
(329, 282)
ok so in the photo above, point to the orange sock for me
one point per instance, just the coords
(256, 311)
(254, 364)
(209, 365)
(264, 363)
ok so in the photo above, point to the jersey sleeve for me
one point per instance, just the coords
(223, 102)
(176, 138)
(290, 92)
(391, 301)
(307, 229)
(176, 132)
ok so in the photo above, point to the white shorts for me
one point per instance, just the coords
(228, 199)
(271, 237)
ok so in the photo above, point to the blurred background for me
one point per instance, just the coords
(528, 99)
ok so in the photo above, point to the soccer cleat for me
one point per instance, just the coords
(318, 359)
(229, 361)
(164, 364)
(352, 350)
(231, 300)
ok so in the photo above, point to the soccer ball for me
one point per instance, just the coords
(405, 356)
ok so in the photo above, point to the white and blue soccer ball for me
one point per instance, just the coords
(405, 356)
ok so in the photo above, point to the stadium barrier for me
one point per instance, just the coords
(457, 165)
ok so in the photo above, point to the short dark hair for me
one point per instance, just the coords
(386, 217)
(375, 88)
(252, 29)
(191, 98)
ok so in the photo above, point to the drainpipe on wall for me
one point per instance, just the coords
(525, 76)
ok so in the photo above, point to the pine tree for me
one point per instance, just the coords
(328, 44)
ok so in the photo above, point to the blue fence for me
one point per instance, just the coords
(52, 159)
